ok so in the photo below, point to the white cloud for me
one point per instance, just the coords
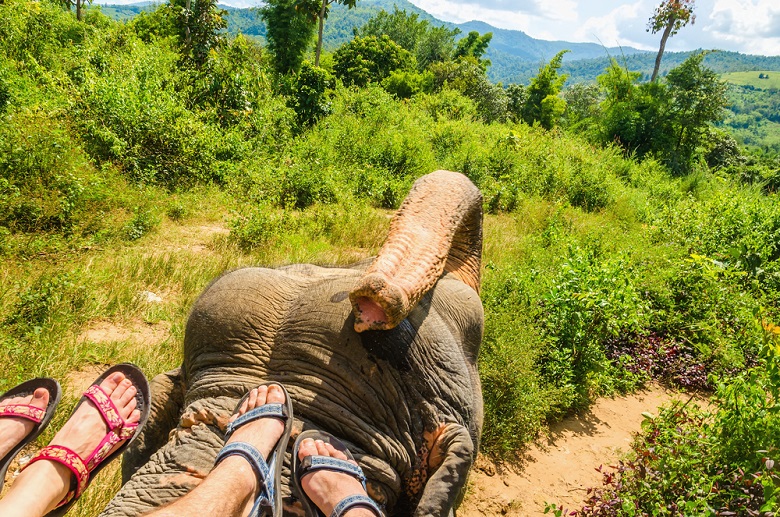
(610, 29)
(753, 26)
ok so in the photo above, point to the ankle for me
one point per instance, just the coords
(242, 479)
(359, 512)
(42, 484)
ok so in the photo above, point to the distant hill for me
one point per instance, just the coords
(515, 56)
(755, 79)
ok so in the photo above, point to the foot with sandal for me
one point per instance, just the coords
(107, 418)
(246, 477)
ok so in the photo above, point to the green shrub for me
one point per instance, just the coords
(370, 59)
(405, 84)
(591, 299)
(308, 93)
(48, 298)
(142, 222)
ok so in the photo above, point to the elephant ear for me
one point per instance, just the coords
(167, 404)
(437, 229)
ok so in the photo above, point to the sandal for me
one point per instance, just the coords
(312, 463)
(269, 474)
(41, 417)
(84, 470)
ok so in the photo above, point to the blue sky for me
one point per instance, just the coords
(749, 26)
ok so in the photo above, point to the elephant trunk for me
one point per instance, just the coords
(438, 229)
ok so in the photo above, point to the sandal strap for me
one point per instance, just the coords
(119, 429)
(106, 406)
(32, 413)
(273, 410)
(312, 463)
(72, 461)
(353, 501)
(262, 470)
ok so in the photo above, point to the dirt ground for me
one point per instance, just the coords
(560, 468)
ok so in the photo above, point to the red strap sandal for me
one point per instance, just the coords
(40, 417)
(119, 430)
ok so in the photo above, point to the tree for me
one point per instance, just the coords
(542, 103)
(199, 24)
(289, 31)
(475, 46)
(668, 120)
(428, 44)
(582, 101)
(370, 59)
(319, 9)
(698, 98)
(69, 4)
(516, 97)
(671, 16)
(466, 75)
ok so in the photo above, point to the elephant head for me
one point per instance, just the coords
(382, 354)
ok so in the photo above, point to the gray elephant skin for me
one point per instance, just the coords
(383, 354)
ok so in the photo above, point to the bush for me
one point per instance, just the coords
(591, 300)
(370, 59)
(143, 222)
(308, 94)
(405, 84)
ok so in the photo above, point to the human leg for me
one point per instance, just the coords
(43, 484)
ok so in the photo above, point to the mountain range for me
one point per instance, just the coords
(515, 56)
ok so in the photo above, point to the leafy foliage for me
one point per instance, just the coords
(428, 43)
(542, 103)
(289, 33)
(668, 120)
(370, 59)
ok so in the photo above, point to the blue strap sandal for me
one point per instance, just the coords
(269, 473)
(310, 464)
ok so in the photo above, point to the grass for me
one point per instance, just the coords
(751, 79)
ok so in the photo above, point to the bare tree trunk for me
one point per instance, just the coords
(188, 38)
(667, 32)
(323, 11)
(78, 10)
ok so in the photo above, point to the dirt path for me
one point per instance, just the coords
(560, 469)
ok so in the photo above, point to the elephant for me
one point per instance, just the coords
(382, 354)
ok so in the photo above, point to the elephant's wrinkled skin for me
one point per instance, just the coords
(382, 354)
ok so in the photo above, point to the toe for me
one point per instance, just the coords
(307, 448)
(134, 417)
(40, 398)
(128, 402)
(111, 382)
(120, 390)
(321, 449)
(275, 394)
(334, 452)
(252, 403)
(127, 396)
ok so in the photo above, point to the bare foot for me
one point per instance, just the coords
(327, 488)
(13, 430)
(231, 488)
